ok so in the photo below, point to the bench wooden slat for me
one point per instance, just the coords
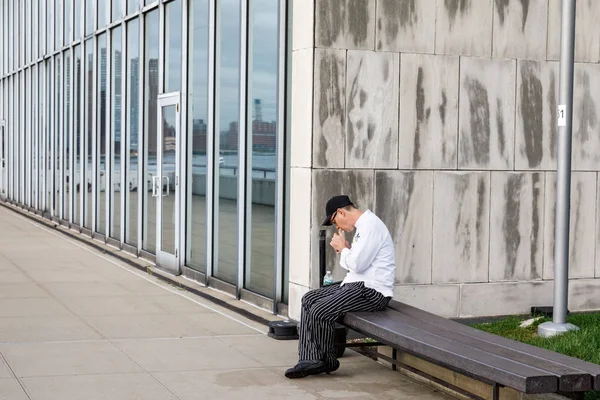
(570, 379)
(382, 326)
(561, 359)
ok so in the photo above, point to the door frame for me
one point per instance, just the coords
(168, 261)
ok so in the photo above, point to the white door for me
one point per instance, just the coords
(165, 184)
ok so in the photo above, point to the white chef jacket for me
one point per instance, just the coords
(371, 258)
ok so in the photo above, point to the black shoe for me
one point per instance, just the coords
(306, 368)
(331, 366)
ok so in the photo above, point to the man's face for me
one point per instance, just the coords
(339, 219)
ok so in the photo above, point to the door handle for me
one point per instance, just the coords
(168, 185)
(155, 185)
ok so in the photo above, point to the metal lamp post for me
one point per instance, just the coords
(563, 177)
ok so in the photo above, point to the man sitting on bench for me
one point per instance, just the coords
(368, 285)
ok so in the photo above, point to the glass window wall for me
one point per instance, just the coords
(66, 154)
(102, 10)
(226, 136)
(57, 137)
(101, 130)
(197, 130)
(173, 45)
(115, 181)
(117, 10)
(133, 125)
(89, 16)
(77, 6)
(150, 124)
(89, 132)
(262, 133)
(77, 133)
(67, 13)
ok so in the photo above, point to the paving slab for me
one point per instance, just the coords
(77, 324)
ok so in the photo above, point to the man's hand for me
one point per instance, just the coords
(338, 242)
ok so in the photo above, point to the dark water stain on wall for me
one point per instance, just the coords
(332, 17)
(397, 13)
(462, 225)
(500, 126)
(479, 111)
(535, 224)
(420, 110)
(358, 20)
(455, 6)
(587, 116)
(503, 5)
(532, 108)
(552, 105)
(510, 223)
(353, 93)
(330, 99)
(442, 111)
(480, 217)
(576, 205)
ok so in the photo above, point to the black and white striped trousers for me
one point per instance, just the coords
(322, 307)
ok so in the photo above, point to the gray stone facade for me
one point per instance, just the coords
(440, 116)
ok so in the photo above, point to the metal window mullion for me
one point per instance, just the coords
(280, 202)
(124, 187)
(244, 228)
(161, 89)
(95, 132)
(72, 136)
(184, 139)
(141, 138)
(22, 33)
(61, 138)
(108, 140)
(212, 168)
(28, 146)
(82, 131)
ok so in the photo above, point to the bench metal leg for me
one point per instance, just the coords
(496, 392)
(395, 357)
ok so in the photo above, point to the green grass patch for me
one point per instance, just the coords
(583, 344)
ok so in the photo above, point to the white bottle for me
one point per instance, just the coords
(327, 279)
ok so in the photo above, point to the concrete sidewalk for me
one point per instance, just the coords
(75, 324)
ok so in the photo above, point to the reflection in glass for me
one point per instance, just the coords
(77, 125)
(101, 180)
(262, 131)
(101, 4)
(132, 115)
(34, 130)
(35, 34)
(115, 181)
(67, 13)
(77, 4)
(150, 139)
(48, 21)
(173, 46)
(48, 126)
(132, 6)
(57, 156)
(227, 124)
(116, 10)
(89, 138)
(58, 17)
(198, 118)
(167, 179)
(89, 16)
(66, 156)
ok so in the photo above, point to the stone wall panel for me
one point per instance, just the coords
(406, 26)
(345, 24)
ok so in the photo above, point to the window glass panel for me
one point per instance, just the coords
(58, 20)
(35, 30)
(67, 5)
(133, 119)
(67, 137)
(101, 180)
(150, 140)
(49, 25)
(116, 10)
(262, 131)
(173, 46)
(77, 4)
(57, 118)
(115, 91)
(102, 12)
(78, 142)
(227, 124)
(197, 123)
(89, 132)
(89, 16)
(49, 118)
(132, 6)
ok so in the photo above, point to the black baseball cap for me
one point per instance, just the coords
(333, 204)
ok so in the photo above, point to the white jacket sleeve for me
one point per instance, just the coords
(363, 252)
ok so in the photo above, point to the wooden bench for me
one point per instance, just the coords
(480, 355)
